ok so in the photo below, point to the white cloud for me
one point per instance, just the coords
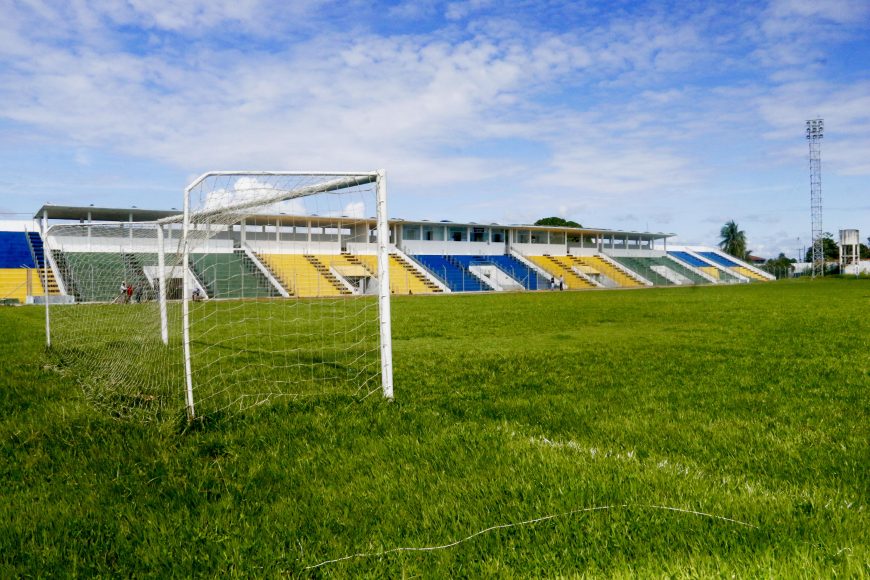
(606, 110)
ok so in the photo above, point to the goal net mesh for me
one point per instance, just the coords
(274, 277)
(108, 334)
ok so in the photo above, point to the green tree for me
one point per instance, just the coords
(781, 266)
(830, 249)
(557, 221)
(733, 240)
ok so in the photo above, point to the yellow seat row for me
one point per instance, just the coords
(18, 283)
(608, 270)
(558, 266)
(749, 273)
(710, 270)
(403, 278)
(299, 276)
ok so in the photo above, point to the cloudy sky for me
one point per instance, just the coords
(667, 116)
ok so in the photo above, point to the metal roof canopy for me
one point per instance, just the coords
(105, 214)
(102, 214)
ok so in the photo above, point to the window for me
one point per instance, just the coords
(411, 232)
(478, 234)
(498, 236)
(433, 233)
(458, 234)
(523, 236)
(557, 237)
(539, 237)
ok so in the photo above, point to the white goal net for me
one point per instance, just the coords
(269, 285)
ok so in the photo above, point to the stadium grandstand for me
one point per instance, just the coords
(314, 256)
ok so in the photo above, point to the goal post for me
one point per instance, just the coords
(218, 200)
(268, 285)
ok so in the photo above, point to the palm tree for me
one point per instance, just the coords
(733, 240)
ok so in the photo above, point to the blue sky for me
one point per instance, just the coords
(668, 116)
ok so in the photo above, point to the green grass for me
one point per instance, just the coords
(745, 402)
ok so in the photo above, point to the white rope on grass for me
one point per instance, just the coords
(517, 524)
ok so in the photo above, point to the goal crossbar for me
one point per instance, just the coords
(347, 180)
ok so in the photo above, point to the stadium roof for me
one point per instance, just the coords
(102, 214)
(580, 230)
(106, 214)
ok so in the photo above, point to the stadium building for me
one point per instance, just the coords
(83, 254)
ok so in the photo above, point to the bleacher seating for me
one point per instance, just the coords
(16, 267)
(404, 278)
(230, 275)
(732, 265)
(451, 273)
(644, 267)
(510, 265)
(303, 276)
(687, 258)
(602, 266)
(43, 271)
(561, 266)
(97, 276)
(14, 251)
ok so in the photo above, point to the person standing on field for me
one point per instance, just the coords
(122, 297)
(129, 293)
(561, 283)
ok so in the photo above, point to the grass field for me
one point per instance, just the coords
(745, 402)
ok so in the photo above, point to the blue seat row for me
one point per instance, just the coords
(14, 251)
(451, 272)
(510, 266)
(689, 259)
(721, 260)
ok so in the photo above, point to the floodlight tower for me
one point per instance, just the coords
(815, 132)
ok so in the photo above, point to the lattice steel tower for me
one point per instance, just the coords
(815, 132)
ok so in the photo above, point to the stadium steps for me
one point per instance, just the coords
(681, 270)
(230, 275)
(643, 266)
(598, 263)
(526, 276)
(37, 250)
(354, 261)
(687, 258)
(451, 273)
(725, 267)
(65, 271)
(561, 266)
(430, 286)
(404, 278)
(750, 274)
(324, 271)
(509, 266)
(298, 276)
(133, 264)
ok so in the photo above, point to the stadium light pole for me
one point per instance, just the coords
(815, 130)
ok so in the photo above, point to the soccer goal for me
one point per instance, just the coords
(268, 285)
